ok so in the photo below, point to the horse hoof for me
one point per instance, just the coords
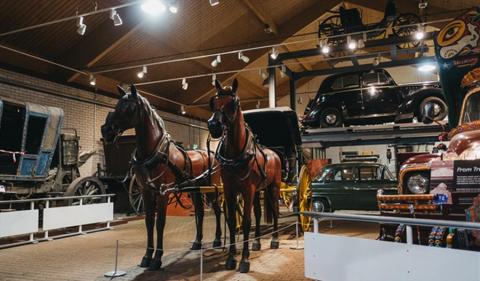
(256, 246)
(244, 267)
(196, 246)
(155, 265)
(145, 261)
(231, 263)
(217, 244)
(274, 245)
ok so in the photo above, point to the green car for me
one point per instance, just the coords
(351, 186)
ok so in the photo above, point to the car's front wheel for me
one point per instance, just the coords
(440, 109)
(330, 117)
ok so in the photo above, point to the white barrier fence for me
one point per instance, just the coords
(335, 258)
(24, 222)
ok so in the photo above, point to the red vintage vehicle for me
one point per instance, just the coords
(446, 185)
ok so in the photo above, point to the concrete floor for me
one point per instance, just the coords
(88, 257)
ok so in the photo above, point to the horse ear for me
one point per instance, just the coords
(218, 85)
(121, 91)
(234, 86)
(133, 91)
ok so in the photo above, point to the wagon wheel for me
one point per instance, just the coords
(135, 197)
(304, 198)
(287, 195)
(329, 27)
(85, 186)
(404, 31)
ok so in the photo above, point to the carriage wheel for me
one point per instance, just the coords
(404, 31)
(85, 186)
(135, 197)
(287, 195)
(304, 198)
(329, 27)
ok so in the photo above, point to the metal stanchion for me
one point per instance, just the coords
(201, 263)
(115, 273)
(296, 237)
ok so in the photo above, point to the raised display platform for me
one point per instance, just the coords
(408, 133)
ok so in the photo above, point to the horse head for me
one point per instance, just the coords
(125, 116)
(224, 105)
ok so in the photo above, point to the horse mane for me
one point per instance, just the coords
(152, 113)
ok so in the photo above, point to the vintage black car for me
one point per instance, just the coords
(351, 186)
(371, 97)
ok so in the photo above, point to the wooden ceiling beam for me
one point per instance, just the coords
(251, 87)
(261, 14)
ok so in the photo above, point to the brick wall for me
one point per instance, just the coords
(86, 112)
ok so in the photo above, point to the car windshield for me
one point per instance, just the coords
(472, 109)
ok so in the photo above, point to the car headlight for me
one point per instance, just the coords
(418, 183)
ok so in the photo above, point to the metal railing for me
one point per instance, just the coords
(320, 216)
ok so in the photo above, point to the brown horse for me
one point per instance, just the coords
(246, 169)
(160, 166)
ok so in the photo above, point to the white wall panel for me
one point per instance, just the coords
(76, 215)
(18, 222)
(338, 258)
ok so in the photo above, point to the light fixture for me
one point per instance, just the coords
(81, 26)
(324, 46)
(182, 110)
(243, 57)
(142, 73)
(172, 7)
(184, 84)
(214, 2)
(283, 70)
(300, 100)
(376, 61)
(274, 54)
(426, 67)
(92, 79)
(214, 77)
(258, 104)
(153, 7)
(216, 61)
(262, 74)
(351, 43)
(115, 17)
(419, 34)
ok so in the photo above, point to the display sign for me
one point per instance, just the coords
(467, 175)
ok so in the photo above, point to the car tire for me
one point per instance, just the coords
(324, 205)
(330, 117)
(441, 108)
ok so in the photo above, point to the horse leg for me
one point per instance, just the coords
(248, 197)
(231, 200)
(161, 217)
(213, 198)
(199, 213)
(257, 210)
(273, 192)
(149, 204)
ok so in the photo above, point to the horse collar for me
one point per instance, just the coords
(160, 154)
(244, 158)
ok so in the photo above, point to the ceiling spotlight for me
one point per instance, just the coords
(214, 77)
(142, 73)
(153, 7)
(184, 84)
(81, 26)
(274, 54)
(263, 74)
(92, 79)
(172, 7)
(214, 2)
(182, 110)
(258, 104)
(283, 70)
(419, 34)
(376, 61)
(115, 17)
(216, 61)
(243, 57)
(324, 47)
(351, 43)
(426, 67)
